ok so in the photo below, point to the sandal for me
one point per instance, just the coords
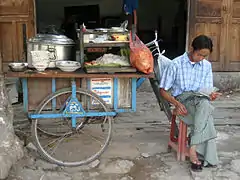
(196, 165)
(208, 165)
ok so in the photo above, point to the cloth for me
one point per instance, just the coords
(200, 120)
(164, 63)
(129, 6)
(181, 76)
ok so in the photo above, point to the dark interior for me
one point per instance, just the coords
(174, 44)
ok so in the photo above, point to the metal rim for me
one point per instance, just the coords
(82, 162)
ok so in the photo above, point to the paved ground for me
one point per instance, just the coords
(139, 148)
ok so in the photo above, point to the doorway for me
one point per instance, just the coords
(168, 17)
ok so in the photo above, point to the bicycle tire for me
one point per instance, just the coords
(51, 159)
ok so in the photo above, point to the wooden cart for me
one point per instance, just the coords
(80, 101)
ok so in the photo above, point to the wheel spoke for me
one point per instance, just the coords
(50, 143)
(60, 140)
(92, 136)
(86, 139)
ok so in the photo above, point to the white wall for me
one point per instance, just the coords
(52, 11)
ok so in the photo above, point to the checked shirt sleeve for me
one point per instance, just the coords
(168, 78)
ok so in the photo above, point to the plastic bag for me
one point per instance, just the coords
(140, 56)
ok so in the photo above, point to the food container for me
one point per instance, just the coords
(40, 60)
(117, 29)
(88, 37)
(18, 67)
(40, 66)
(120, 37)
(60, 48)
(68, 66)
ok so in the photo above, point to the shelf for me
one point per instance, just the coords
(101, 33)
(110, 70)
(106, 44)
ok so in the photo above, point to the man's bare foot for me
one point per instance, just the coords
(193, 156)
(196, 165)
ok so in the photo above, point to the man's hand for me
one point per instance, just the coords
(181, 109)
(215, 95)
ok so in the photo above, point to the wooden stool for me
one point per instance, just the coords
(180, 143)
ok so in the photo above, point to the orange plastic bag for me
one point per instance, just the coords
(140, 56)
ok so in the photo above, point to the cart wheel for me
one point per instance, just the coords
(72, 147)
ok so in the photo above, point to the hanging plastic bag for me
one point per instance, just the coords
(140, 56)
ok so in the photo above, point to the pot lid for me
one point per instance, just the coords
(51, 39)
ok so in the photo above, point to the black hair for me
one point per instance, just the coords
(202, 42)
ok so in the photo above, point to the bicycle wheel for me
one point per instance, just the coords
(74, 152)
(44, 128)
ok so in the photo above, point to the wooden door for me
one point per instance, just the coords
(13, 14)
(209, 17)
(233, 45)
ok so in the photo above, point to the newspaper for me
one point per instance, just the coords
(208, 92)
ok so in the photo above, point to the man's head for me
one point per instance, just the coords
(202, 47)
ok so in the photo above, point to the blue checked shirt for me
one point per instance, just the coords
(182, 76)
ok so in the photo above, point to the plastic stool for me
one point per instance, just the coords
(180, 143)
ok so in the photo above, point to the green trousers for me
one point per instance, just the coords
(200, 120)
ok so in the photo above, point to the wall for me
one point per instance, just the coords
(52, 11)
(227, 80)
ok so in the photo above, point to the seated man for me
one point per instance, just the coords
(187, 76)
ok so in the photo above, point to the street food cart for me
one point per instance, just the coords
(66, 108)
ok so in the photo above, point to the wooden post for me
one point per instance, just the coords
(81, 36)
(1, 63)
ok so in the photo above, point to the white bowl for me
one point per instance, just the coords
(40, 66)
(18, 67)
(68, 66)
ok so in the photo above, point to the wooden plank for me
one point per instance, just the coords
(63, 83)
(207, 17)
(1, 60)
(107, 44)
(77, 74)
(124, 93)
(40, 88)
(37, 91)
(13, 14)
(14, 7)
(233, 48)
(91, 31)
(109, 69)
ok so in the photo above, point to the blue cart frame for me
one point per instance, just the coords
(73, 98)
(135, 77)
(72, 108)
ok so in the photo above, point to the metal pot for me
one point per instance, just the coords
(59, 46)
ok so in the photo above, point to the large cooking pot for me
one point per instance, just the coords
(60, 48)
